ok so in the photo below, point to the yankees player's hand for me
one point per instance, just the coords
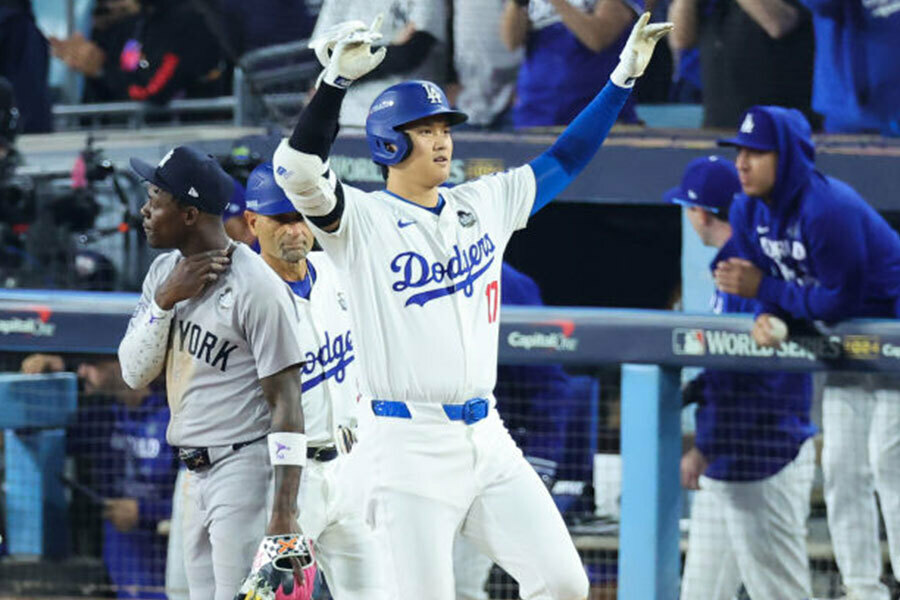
(122, 513)
(283, 521)
(763, 332)
(738, 276)
(693, 465)
(638, 50)
(346, 52)
(191, 275)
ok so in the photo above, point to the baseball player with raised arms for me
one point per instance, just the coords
(331, 502)
(422, 266)
(223, 328)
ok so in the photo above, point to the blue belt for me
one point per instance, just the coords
(472, 411)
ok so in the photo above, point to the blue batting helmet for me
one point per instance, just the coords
(263, 195)
(400, 105)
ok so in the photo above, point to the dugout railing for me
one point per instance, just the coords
(651, 346)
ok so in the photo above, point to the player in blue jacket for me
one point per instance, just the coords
(753, 459)
(422, 267)
(130, 469)
(810, 247)
(144, 469)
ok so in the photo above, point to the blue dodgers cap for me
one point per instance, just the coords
(757, 131)
(236, 204)
(264, 196)
(709, 182)
(191, 177)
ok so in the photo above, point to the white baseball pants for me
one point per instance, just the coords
(752, 533)
(332, 515)
(224, 520)
(861, 456)
(433, 478)
(471, 570)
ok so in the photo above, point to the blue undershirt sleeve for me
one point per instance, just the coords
(555, 169)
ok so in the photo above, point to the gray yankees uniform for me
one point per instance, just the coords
(221, 343)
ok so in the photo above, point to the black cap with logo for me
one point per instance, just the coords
(193, 178)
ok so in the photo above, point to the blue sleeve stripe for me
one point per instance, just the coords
(555, 169)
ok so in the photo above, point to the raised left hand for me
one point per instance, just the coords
(638, 50)
(738, 276)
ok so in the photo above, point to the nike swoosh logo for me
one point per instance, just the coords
(762, 229)
(401, 223)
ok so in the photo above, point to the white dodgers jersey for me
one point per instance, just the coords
(329, 380)
(424, 288)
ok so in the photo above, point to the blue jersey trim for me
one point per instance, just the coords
(435, 209)
(303, 288)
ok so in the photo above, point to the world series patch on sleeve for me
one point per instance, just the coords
(273, 575)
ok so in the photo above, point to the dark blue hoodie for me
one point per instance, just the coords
(856, 82)
(826, 254)
(749, 425)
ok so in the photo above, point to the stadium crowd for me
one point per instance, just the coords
(511, 64)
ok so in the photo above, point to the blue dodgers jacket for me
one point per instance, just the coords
(749, 425)
(826, 254)
(142, 466)
(856, 83)
(127, 456)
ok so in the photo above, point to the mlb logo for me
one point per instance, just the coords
(691, 342)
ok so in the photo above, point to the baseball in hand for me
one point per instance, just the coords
(778, 329)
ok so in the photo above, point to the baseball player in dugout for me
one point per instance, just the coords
(810, 247)
(753, 460)
(223, 328)
(421, 264)
(331, 488)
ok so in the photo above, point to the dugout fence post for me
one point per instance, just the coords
(649, 559)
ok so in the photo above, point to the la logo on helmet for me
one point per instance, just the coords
(747, 125)
(432, 94)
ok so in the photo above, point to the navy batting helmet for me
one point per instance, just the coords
(263, 195)
(400, 105)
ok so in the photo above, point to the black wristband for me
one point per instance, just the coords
(522, 3)
(318, 123)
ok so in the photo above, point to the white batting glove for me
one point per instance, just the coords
(638, 50)
(325, 43)
(346, 52)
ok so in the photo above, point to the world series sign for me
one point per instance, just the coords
(94, 322)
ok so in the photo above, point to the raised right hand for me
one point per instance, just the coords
(350, 56)
(191, 276)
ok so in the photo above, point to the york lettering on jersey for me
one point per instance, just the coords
(461, 271)
(329, 361)
(204, 345)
